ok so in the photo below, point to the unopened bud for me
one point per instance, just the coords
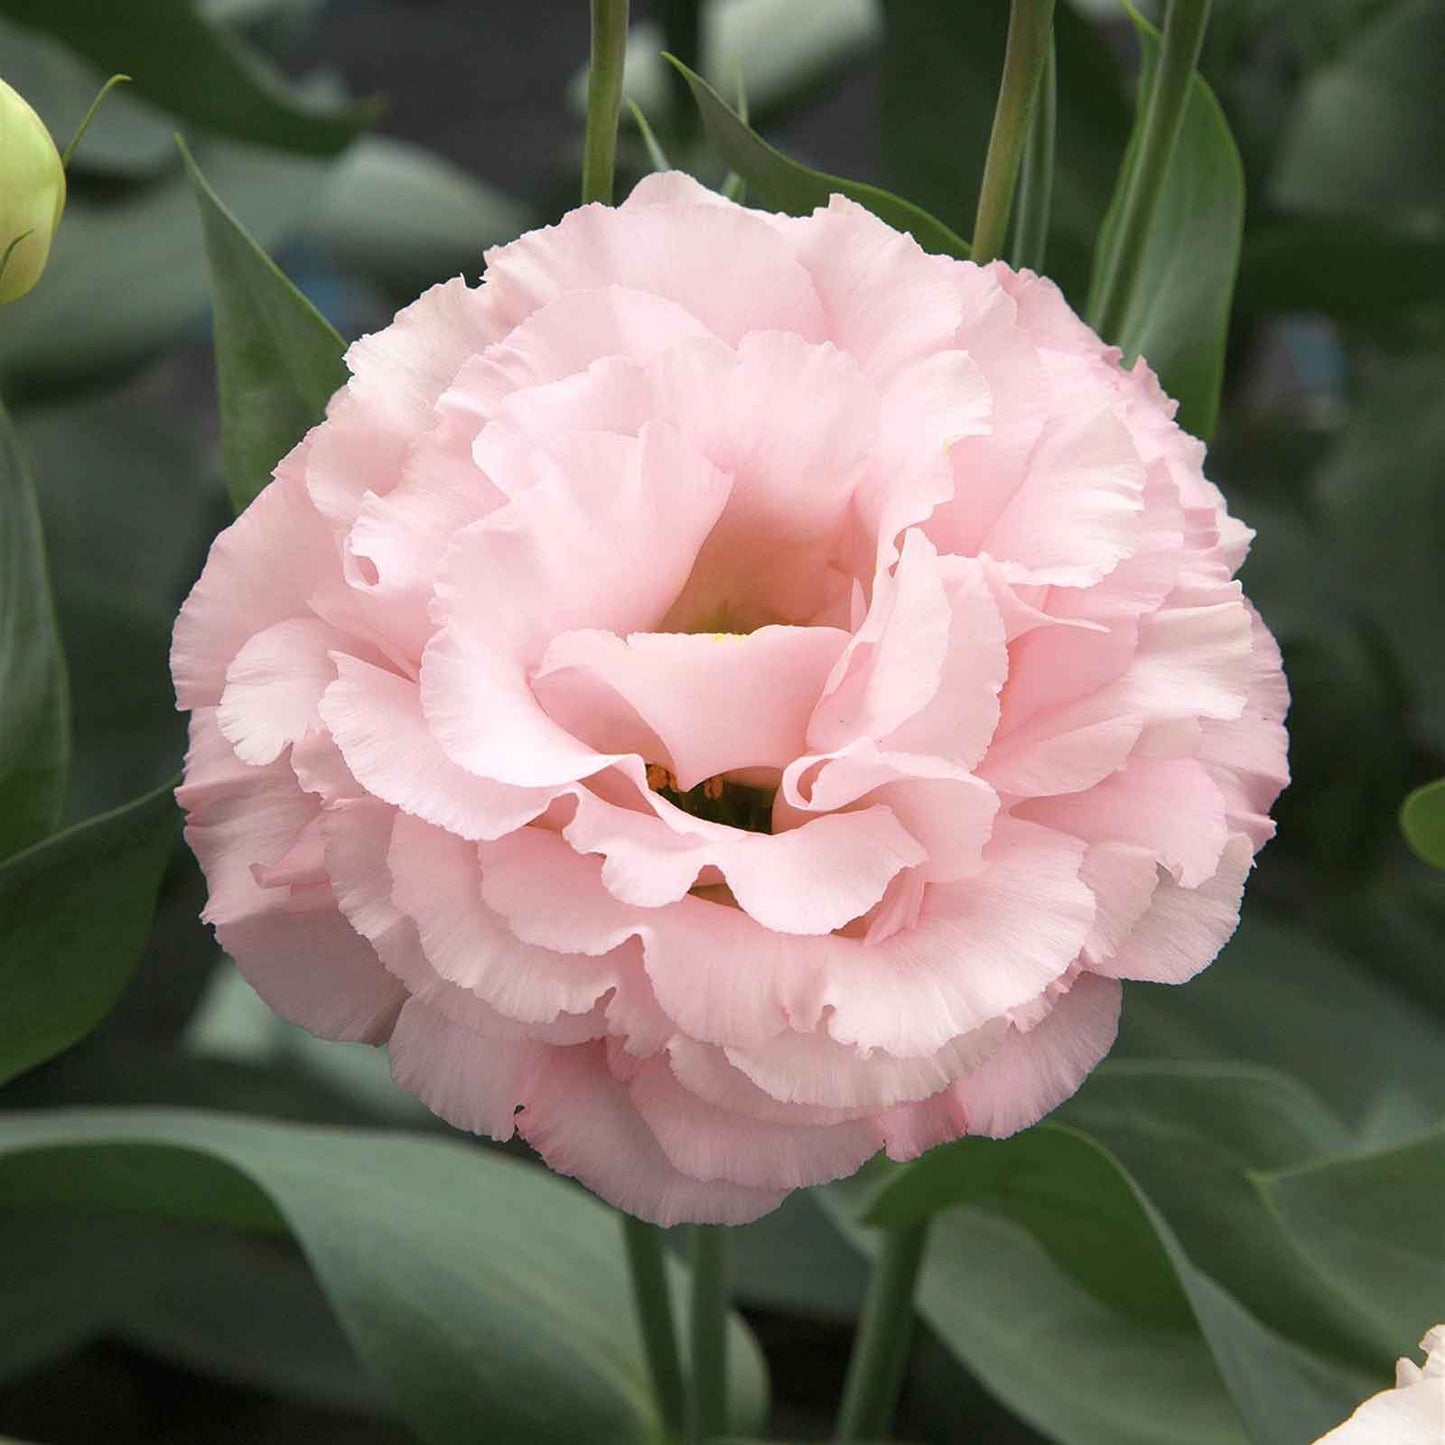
(32, 194)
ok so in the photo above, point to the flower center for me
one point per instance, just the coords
(717, 800)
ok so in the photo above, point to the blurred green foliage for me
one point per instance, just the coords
(1226, 1236)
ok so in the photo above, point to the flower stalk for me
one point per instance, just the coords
(707, 1398)
(604, 99)
(647, 1263)
(1184, 25)
(1036, 182)
(1029, 27)
(885, 1333)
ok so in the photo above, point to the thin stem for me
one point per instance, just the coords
(604, 99)
(682, 37)
(1036, 183)
(707, 1403)
(1184, 25)
(647, 1262)
(105, 90)
(885, 1332)
(1028, 36)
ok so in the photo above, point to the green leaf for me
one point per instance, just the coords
(126, 277)
(1367, 135)
(478, 1290)
(1141, 1198)
(1046, 1346)
(1366, 1051)
(1422, 819)
(75, 911)
(34, 700)
(1189, 1135)
(797, 189)
(940, 71)
(1069, 1194)
(186, 64)
(120, 573)
(1372, 1225)
(278, 361)
(1178, 316)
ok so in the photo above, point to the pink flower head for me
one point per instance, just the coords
(729, 694)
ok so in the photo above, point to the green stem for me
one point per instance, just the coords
(1036, 183)
(682, 37)
(604, 99)
(646, 1260)
(1028, 43)
(707, 1403)
(75, 140)
(1164, 114)
(885, 1332)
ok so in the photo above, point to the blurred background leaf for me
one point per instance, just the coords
(34, 699)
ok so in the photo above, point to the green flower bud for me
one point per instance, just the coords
(32, 194)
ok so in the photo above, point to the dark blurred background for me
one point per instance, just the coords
(1331, 443)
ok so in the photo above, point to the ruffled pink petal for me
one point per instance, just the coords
(376, 719)
(397, 374)
(718, 702)
(1184, 928)
(807, 880)
(261, 570)
(951, 819)
(570, 334)
(292, 945)
(795, 465)
(607, 542)
(892, 667)
(887, 302)
(1028, 1076)
(706, 1142)
(274, 684)
(983, 946)
(1076, 515)
(473, 1082)
(436, 881)
(580, 1119)
(1169, 806)
(960, 719)
(677, 252)
(1122, 879)
(815, 1069)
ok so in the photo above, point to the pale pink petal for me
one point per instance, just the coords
(261, 570)
(1076, 515)
(1184, 928)
(1169, 806)
(887, 303)
(580, 1119)
(274, 684)
(815, 1069)
(375, 717)
(709, 1143)
(436, 881)
(718, 702)
(396, 377)
(677, 252)
(1028, 1076)
(608, 542)
(473, 1082)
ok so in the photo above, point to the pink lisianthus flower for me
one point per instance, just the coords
(727, 695)
(1413, 1413)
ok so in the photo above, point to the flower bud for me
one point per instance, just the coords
(32, 194)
